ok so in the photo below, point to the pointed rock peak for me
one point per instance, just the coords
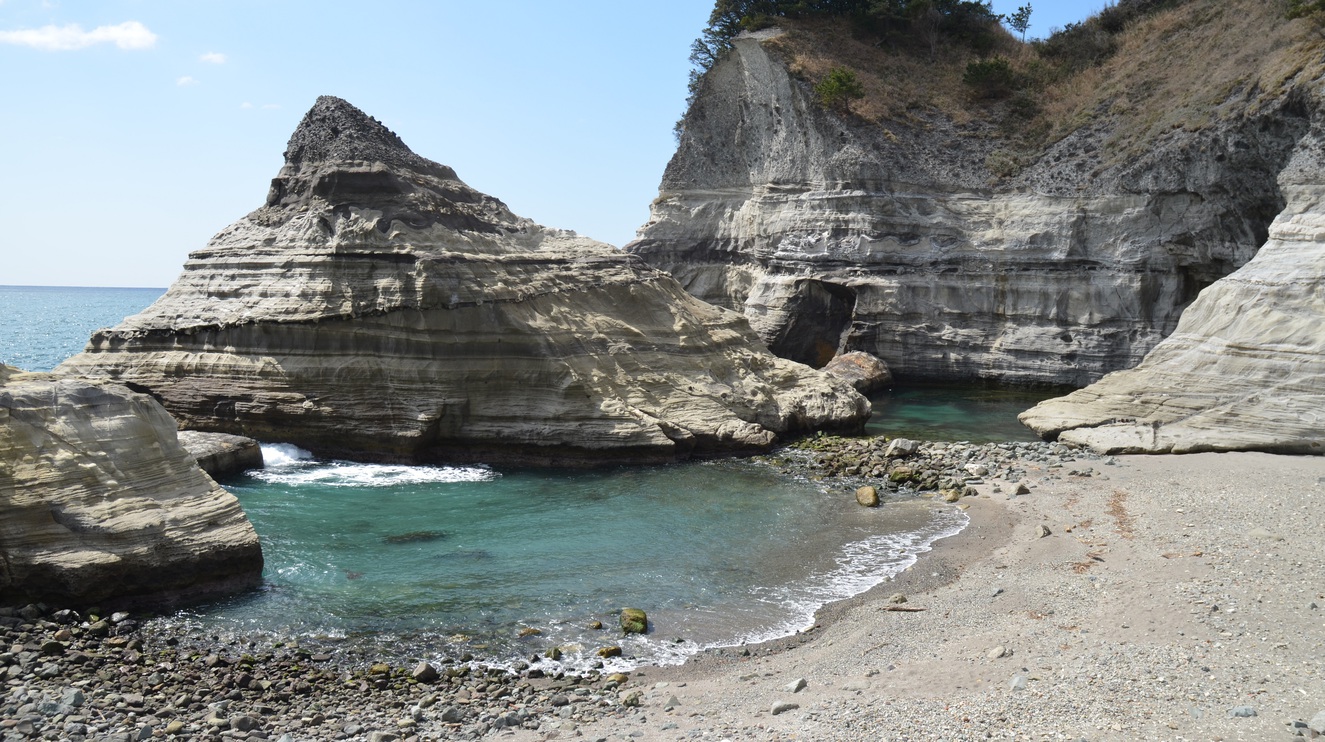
(333, 129)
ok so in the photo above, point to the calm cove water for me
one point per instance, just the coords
(438, 561)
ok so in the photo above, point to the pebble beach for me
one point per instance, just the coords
(1089, 598)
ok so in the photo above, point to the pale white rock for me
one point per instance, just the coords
(834, 234)
(100, 503)
(1245, 369)
(378, 307)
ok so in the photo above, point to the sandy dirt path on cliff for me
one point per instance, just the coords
(1174, 597)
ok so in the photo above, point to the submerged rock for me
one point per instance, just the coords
(100, 503)
(377, 307)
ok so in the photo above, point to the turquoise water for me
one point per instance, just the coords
(439, 561)
(40, 326)
(947, 412)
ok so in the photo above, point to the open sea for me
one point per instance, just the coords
(440, 561)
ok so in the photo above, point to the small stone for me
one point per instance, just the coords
(1317, 723)
(796, 686)
(900, 448)
(1022, 489)
(609, 652)
(1260, 534)
(977, 470)
(381, 668)
(634, 621)
(596, 625)
(897, 599)
(1018, 683)
(783, 707)
(424, 673)
(633, 699)
(530, 631)
(950, 495)
(1242, 712)
(672, 702)
(867, 496)
(451, 715)
(175, 727)
(553, 653)
(382, 737)
(1041, 531)
(997, 653)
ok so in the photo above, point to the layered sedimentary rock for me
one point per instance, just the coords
(100, 503)
(833, 234)
(1245, 369)
(377, 307)
(222, 455)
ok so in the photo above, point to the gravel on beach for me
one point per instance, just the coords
(1090, 598)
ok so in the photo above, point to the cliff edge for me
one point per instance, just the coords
(376, 307)
(1051, 237)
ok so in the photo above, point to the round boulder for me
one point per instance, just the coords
(861, 370)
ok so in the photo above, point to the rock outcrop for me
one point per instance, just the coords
(99, 504)
(377, 307)
(222, 455)
(833, 233)
(1245, 369)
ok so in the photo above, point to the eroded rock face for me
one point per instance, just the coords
(1245, 369)
(377, 307)
(833, 235)
(100, 503)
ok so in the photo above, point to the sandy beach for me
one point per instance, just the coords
(1174, 598)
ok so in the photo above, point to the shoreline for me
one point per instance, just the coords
(1172, 597)
(1154, 617)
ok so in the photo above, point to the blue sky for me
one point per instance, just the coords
(134, 130)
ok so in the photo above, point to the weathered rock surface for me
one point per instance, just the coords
(99, 502)
(377, 307)
(864, 372)
(833, 234)
(222, 455)
(1245, 369)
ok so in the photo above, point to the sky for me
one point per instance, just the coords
(134, 130)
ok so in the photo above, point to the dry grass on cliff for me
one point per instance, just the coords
(1181, 68)
(898, 83)
(1185, 68)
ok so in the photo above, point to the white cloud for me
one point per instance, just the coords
(213, 57)
(185, 81)
(127, 35)
(246, 105)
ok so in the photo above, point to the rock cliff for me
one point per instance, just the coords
(902, 237)
(1245, 369)
(377, 307)
(99, 503)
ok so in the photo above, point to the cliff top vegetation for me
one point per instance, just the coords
(1147, 67)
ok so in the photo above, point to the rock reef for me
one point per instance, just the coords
(833, 233)
(100, 504)
(377, 307)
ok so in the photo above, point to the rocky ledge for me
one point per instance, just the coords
(1245, 369)
(376, 307)
(222, 455)
(99, 502)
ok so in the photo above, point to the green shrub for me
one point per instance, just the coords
(991, 78)
(838, 88)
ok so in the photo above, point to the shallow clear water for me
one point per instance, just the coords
(434, 561)
(407, 558)
(40, 326)
(955, 413)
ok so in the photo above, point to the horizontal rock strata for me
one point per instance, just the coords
(222, 455)
(1245, 369)
(377, 307)
(835, 234)
(100, 503)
